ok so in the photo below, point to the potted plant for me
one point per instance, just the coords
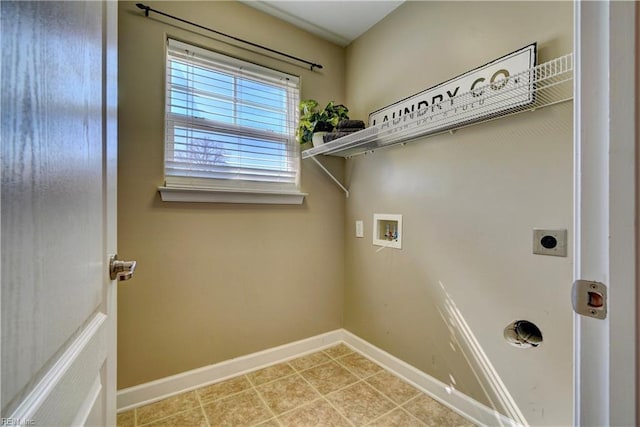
(317, 122)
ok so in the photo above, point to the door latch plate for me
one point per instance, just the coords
(589, 298)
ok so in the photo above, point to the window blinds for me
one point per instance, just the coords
(229, 123)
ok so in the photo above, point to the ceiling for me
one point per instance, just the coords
(340, 22)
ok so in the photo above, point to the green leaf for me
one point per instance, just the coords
(313, 120)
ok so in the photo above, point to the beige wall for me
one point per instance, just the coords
(469, 202)
(218, 281)
(211, 284)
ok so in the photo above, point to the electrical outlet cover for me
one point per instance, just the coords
(550, 242)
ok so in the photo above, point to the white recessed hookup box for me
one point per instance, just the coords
(387, 230)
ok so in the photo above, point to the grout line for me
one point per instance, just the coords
(324, 397)
(255, 389)
(359, 379)
(356, 374)
(338, 357)
(273, 380)
(383, 415)
(398, 407)
(407, 411)
(418, 392)
(413, 398)
(206, 418)
(413, 416)
(305, 354)
(312, 366)
(345, 387)
(385, 397)
(288, 411)
(338, 411)
(320, 395)
(235, 393)
(168, 416)
(363, 379)
(164, 418)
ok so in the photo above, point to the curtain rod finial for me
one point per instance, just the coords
(143, 7)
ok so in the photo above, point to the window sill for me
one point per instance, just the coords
(215, 195)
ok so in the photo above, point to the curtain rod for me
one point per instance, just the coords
(148, 9)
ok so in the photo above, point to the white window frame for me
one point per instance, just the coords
(228, 190)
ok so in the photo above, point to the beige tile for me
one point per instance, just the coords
(269, 423)
(126, 419)
(393, 387)
(360, 403)
(167, 407)
(193, 418)
(271, 373)
(329, 377)
(287, 393)
(397, 418)
(338, 351)
(318, 413)
(243, 409)
(359, 365)
(433, 413)
(309, 361)
(222, 389)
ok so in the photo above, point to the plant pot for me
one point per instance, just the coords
(318, 138)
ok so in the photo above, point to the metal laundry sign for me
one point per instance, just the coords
(488, 80)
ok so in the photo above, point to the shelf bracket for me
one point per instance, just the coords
(330, 175)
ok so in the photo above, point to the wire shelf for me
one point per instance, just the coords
(541, 86)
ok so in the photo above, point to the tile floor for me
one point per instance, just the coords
(334, 387)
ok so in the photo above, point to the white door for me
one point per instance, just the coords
(59, 76)
(606, 370)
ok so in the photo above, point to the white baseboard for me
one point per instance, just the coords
(153, 391)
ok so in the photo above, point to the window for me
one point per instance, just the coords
(230, 126)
